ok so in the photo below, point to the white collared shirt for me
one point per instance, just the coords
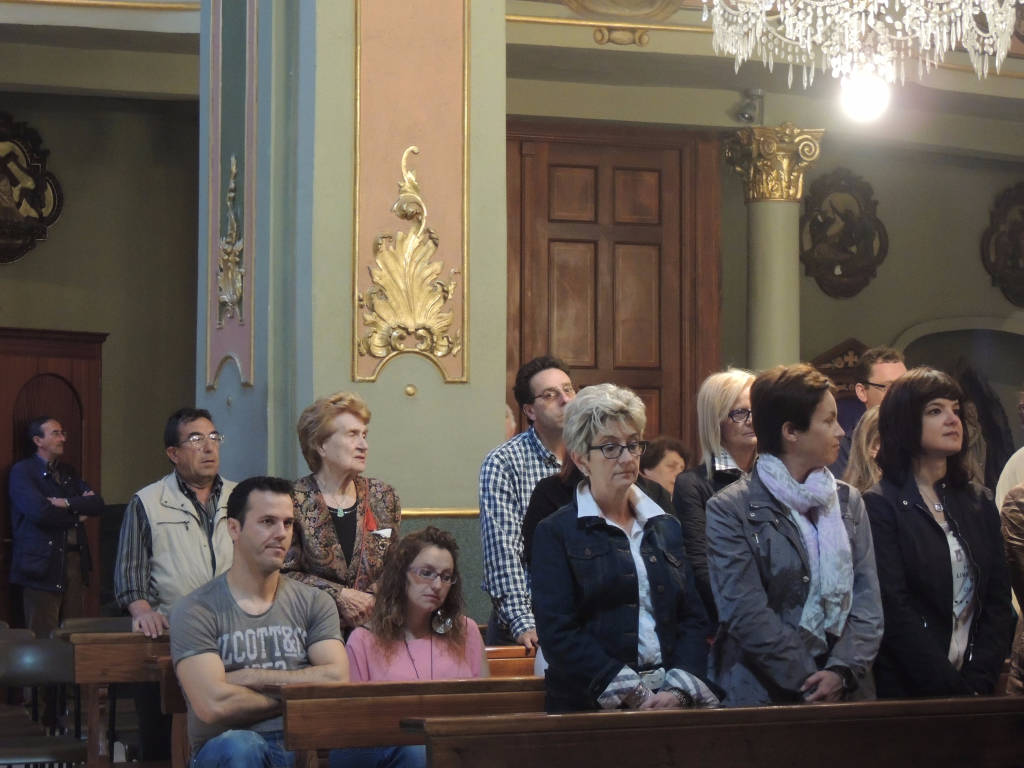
(644, 508)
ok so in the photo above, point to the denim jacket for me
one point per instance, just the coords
(586, 602)
(760, 576)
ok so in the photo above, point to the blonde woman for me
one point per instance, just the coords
(862, 471)
(728, 447)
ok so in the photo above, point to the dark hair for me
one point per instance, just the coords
(522, 391)
(179, 417)
(657, 449)
(899, 424)
(869, 357)
(784, 393)
(389, 610)
(238, 501)
(35, 427)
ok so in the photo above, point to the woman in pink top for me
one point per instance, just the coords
(417, 632)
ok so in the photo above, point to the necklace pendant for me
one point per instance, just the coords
(939, 508)
(440, 623)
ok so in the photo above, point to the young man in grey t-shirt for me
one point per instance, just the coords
(250, 628)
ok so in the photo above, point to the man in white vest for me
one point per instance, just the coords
(174, 536)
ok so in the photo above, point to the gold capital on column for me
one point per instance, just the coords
(773, 160)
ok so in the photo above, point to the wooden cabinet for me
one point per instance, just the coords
(53, 373)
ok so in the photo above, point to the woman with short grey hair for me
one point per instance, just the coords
(619, 619)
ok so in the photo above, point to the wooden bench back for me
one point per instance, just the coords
(369, 714)
(938, 733)
(509, 661)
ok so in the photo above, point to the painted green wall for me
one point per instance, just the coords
(120, 260)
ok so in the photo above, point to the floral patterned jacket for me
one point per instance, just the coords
(316, 557)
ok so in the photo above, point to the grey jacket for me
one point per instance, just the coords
(760, 576)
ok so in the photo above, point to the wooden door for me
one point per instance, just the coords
(54, 373)
(613, 260)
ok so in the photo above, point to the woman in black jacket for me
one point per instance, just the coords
(941, 566)
(728, 446)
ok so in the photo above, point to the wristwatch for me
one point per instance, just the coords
(849, 679)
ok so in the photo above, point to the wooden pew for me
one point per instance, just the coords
(504, 662)
(102, 658)
(937, 733)
(172, 702)
(509, 661)
(329, 716)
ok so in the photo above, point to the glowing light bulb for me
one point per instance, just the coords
(864, 96)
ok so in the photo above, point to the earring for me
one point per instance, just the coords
(440, 623)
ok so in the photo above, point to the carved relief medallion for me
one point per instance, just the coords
(842, 240)
(1002, 244)
(30, 196)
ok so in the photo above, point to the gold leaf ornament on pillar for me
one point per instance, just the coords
(230, 270)
(405, 306)
(772, 161)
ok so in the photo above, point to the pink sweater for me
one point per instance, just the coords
(427, 658)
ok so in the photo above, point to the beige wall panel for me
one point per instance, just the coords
(411, 93)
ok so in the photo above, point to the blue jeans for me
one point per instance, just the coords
(379, 757)
(244, 749)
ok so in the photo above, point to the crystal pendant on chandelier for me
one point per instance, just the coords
(871, 36)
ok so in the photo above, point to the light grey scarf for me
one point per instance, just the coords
(820, 521)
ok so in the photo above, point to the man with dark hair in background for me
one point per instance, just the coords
(174, 539)
(50, 554)
(249, 629)
(507, 478)
(877, 369)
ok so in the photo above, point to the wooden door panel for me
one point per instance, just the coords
(572, 298)
(635, 306)
(637, 196)
(652, 402)
(573, 193)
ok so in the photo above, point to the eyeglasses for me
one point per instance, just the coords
(196, 440)
(880, 387)
(427, 575)
(739, 415)
(553, 393)
(614, 450)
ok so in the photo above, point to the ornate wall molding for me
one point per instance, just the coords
(623, 11)
(842, 240)
(230, 267)
(30, 196)
(772, 161)
(407, 301)
(231, 227)
(395, 312)
(1002, 244)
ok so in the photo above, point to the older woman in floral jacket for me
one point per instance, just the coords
(346, 521)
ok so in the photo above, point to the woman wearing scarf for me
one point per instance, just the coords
(791, 559)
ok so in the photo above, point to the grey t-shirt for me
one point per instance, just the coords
(210, 621)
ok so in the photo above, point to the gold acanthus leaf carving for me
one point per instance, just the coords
(230, 271)
(406, 298)
(772, 161)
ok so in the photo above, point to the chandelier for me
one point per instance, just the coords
(856, 37)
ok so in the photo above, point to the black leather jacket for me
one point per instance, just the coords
(916, 578)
